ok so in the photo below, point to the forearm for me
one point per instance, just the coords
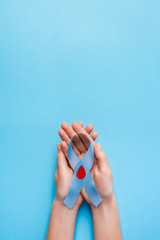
(62, 222)
(106, 220)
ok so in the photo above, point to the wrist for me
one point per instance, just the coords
(59, 206)
(107, 203)
(62, 221)
(106, 220)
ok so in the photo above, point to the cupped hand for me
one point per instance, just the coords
(63, 178)
(100, 171)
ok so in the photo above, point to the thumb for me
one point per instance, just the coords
(102, 160)
(61, 160)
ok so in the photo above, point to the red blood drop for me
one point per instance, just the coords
(81, 172)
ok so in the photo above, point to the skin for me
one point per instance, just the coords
(105, 216)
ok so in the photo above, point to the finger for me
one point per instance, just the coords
(89, 128)
(66, 139)
(62, 164)
(94, 135)
(80, 123)
(63, 135)
(76, 140)
(64, 148)
(77, 128)
(102, 160)
(68, 129)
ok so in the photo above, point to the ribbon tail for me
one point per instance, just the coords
(91, 190)
(74, 192)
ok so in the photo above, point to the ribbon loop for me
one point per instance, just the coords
(82, 176)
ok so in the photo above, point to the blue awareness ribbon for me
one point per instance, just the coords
(87, 182)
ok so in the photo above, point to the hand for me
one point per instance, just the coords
(105, 217)
(100, 171)
(63, 178)
(62, 220)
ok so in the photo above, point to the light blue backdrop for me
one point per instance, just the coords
(94, 61)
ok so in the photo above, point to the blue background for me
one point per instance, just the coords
(94, 61)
